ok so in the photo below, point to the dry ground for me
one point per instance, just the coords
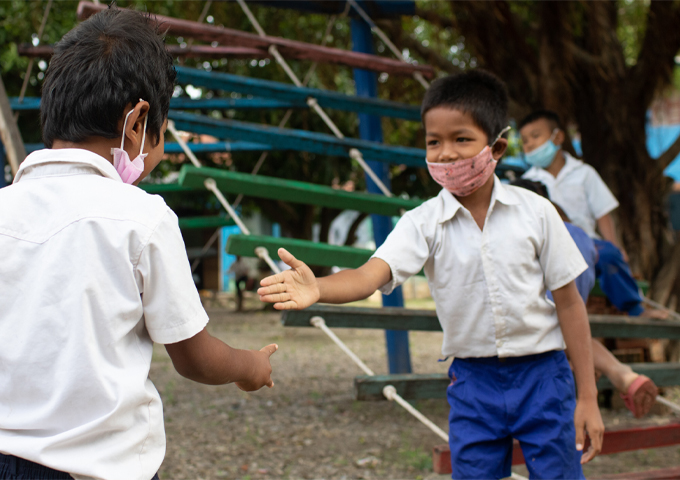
(308, 425)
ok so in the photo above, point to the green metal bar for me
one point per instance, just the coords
(216, 221)
(433, 385)
(161, 188)
(597, 290)
(311, 253)
(294, 191)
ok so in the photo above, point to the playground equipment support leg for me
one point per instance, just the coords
(398, 355)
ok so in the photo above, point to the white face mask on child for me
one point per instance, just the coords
(129, 170)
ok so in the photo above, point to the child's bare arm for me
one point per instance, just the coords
(607, 228)
(573, 319)
(206, 359)
(298, 288)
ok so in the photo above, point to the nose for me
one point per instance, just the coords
(448, 153)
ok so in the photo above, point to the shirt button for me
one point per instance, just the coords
(499, 343)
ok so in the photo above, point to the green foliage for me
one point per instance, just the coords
(631, 27)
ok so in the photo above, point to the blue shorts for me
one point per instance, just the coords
(528, 398)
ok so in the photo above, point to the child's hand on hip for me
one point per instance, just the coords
(294, 289)
(262, 370)
(587, 418)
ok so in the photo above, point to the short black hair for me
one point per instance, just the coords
(536, 187)
(478, 93)
(104, 64)
(552, 118)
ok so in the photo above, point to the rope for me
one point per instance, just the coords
(375, 29)
(652, 303)
(389, 391)
(29, 69)
(282, 124)
(274, 52)
(672, 405)
(211, 185)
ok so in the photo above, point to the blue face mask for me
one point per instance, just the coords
(543, 156)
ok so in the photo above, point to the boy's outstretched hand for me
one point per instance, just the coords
(262, 370)
(294, 289)
(587, 418)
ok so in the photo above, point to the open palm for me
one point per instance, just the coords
(293, 289)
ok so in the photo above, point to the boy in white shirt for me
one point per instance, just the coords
(490, 253)
(585, 198)
(96, 270)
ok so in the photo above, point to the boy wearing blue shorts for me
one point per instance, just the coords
(96, 271)
(490, 253)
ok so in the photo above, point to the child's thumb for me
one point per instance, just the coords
(270, 349)
(289, 259)
(580, 437)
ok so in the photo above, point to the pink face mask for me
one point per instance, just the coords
(129, 170)
(463, 177)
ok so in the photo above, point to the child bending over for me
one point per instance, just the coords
(490, 253)
(638, 391)
(96, 270)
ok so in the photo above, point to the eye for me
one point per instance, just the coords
(432, 143)
(463, 139)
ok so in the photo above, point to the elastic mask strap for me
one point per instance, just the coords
(141, 148)
(122, 140)
(554, 134)
(506, 129)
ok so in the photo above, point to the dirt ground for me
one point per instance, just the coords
(309, 425)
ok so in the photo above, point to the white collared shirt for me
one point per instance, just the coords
(93, 272)
(579, 190)
(489, 286)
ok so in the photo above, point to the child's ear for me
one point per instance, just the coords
(499, 148)
(559, 138)
(134, 130)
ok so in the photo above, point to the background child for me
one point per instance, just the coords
(490, 253)
(97, 271)
(585, 198)
(638, 391)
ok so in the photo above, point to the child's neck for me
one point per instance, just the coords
(100, 146)
(478, 202)
(557, 164)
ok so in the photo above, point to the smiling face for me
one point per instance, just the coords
(538, 132)
(452, 135)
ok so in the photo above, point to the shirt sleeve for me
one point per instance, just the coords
(405, 251)
(600, 199)
(559, 256)
(172, 308)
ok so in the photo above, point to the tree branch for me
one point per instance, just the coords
(669, 155)
(429, 55)
(656, 59)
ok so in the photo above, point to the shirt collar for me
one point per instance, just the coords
(65, 161)
(570, 163)
(500, 193)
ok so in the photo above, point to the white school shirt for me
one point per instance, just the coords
(489, 286)
(93, 271)
(579, 190)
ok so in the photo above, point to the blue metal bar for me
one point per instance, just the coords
(291, 93)
(398, 355)
(297, 140)
(173, 147)
(33, 103)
